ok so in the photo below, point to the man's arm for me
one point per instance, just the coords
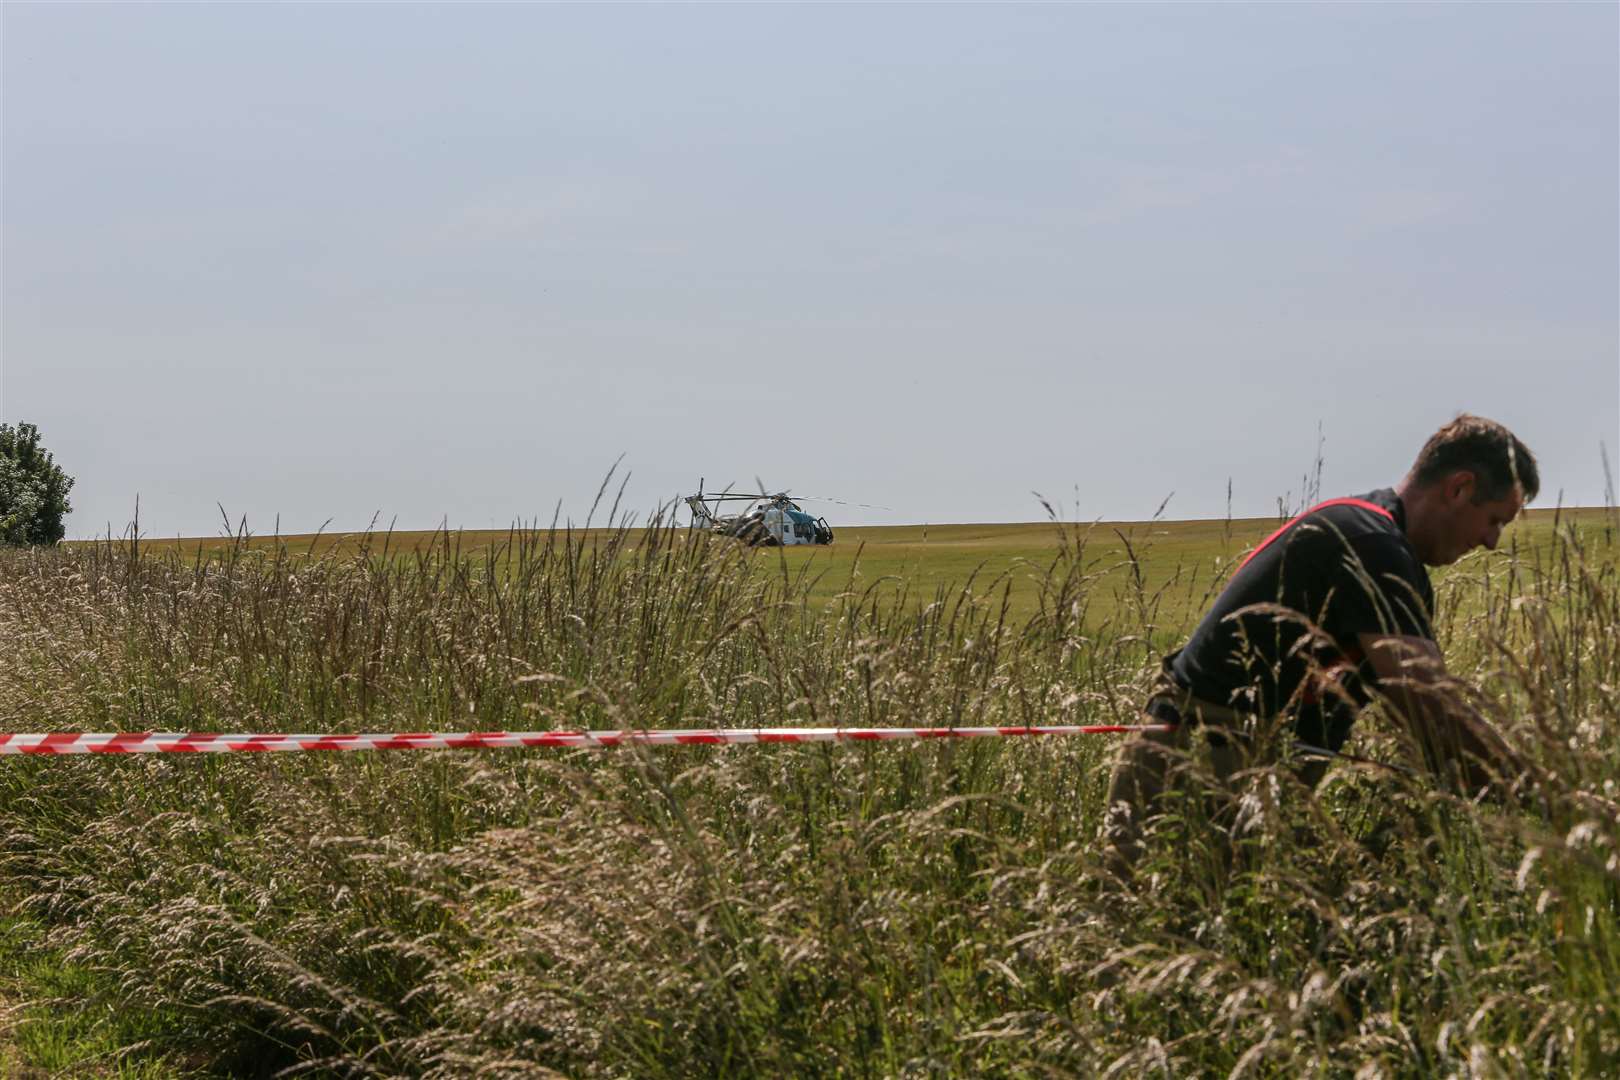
(1456, 740)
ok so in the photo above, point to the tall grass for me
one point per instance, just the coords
(859, 911)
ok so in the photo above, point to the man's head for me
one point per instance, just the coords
(1470, 479)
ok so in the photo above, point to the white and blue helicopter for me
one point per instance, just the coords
(766, 520)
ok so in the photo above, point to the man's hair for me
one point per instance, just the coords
(1485, 448)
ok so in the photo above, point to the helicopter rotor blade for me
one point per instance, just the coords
(740, 496)
(841, 502)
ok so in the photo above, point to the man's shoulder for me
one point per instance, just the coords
(1360, 523)
(1370, 527)
(1377, 512)
(1379, 583)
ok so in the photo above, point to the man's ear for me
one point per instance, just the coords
(1459, 486)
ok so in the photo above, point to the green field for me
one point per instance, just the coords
(1166, 568)
(876, 910)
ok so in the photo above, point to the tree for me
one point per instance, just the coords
(33, 489)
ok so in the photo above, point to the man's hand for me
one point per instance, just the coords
(1456, 741)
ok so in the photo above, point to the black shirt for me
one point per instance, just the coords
(1349, 570)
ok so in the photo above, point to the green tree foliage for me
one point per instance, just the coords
(33, 489)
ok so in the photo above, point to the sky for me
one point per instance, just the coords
(319, 264)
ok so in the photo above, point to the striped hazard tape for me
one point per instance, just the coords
(154, 742)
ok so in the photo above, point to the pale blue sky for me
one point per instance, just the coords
(451, 261)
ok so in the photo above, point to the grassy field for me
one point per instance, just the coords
(896, 910)
(1175, 563)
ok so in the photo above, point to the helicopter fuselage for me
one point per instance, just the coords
(774, 521)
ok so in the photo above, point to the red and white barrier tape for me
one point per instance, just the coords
(151, 742)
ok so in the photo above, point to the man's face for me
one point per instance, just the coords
(1465, 524)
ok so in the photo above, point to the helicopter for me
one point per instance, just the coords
(769, 520)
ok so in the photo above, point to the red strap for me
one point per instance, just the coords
(1362, 503)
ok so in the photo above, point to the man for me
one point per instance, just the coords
(1331, 608)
